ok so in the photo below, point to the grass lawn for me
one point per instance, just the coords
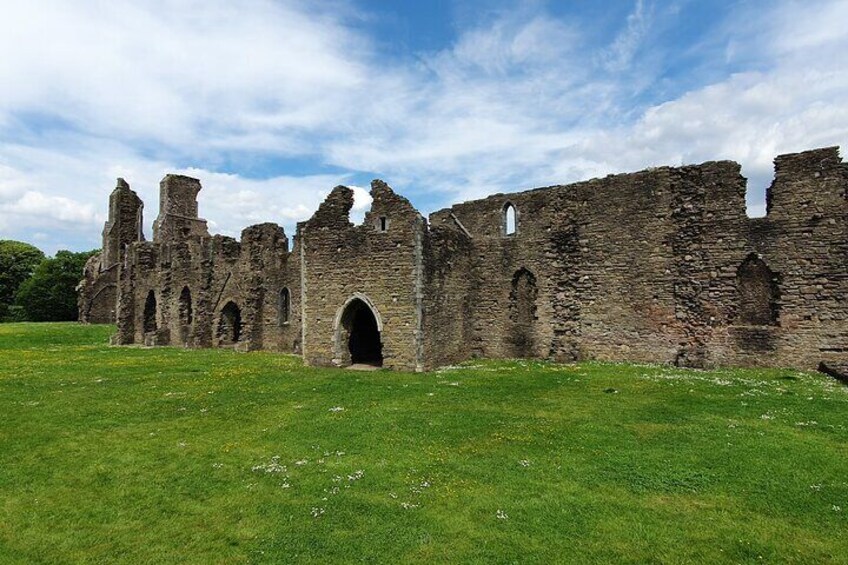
(163, 455)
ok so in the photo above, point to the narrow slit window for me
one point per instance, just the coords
(510, 220)
(285, 306)
(384, 224)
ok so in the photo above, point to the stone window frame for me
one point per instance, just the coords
(509, 205)
(284, 315)
(382, 224)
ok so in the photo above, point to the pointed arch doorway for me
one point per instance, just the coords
(358, 331)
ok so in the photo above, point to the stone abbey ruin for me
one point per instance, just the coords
(657, 266)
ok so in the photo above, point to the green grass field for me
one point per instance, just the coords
(165, 455)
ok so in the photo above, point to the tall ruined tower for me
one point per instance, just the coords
(98, 289)
(124, 225)
(177, 218)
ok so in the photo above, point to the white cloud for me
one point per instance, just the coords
(33, 203)
(181, 74)
(495, 121)
(619, 55)
(66, 193)
(96, 91)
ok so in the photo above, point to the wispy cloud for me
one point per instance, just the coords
(623, 49)
(571, 116)
(187, 75)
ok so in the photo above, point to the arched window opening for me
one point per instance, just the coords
(758, 293)
(359, 335)
(149, 323)
(285, 306)
(185, 308)
(229, 324)
(522, 313)
(510, 220)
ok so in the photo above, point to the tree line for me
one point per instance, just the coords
(37, 288)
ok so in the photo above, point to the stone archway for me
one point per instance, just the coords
(229, 325)
(358, 333)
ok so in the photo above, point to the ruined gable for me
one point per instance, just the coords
(379, 263)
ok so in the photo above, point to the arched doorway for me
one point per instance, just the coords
(229, 324)
(358, 334)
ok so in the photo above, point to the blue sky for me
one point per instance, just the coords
(271, 103)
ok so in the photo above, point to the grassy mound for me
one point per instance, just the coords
(160, 455)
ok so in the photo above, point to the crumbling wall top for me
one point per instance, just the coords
(334, 211)
(178, 218)
(178, 195)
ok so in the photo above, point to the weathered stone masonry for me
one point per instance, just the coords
(657, 266)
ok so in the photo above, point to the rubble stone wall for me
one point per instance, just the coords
(645, 266)
(98, 288)
(379, 262)
(192, 278)
(661, 266)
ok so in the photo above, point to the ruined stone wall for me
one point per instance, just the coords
(493, 261)
(379, 262)
(192, 282)
(183, 288)
(804, 242)
(661, 266)
(98, 289)
(98, 292)
(621, 294)
(448, 295)
(644, 266)
(178, 217)
(124, 224)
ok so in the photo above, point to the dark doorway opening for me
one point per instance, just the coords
(149, 322)
(229, 326)
(363, 339)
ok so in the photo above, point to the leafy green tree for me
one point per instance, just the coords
(18, 260)
(50, 295)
